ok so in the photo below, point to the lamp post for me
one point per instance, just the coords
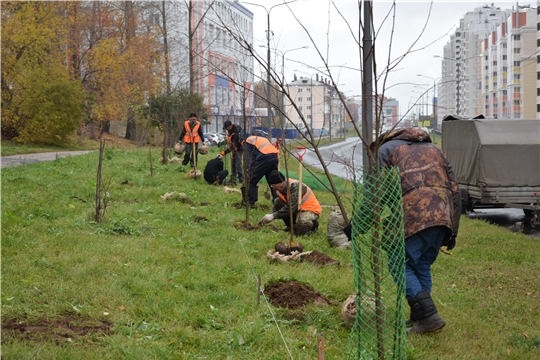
(283, 82)
(268, 87)
(434, 98)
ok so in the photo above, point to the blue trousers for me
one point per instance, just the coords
(421, 251)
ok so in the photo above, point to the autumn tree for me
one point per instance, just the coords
(40, 103)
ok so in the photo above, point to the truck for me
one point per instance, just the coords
(496, 162)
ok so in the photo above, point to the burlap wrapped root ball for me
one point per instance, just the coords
(368, 311)
(203, 149)
(179, 148)
(336, 236)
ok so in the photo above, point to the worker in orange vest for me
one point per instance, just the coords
(191, 134)
(305, 214)
(262, 158)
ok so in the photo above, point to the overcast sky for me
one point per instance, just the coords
(333, 27)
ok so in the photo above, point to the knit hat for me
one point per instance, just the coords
(276, 177)
(227, 124)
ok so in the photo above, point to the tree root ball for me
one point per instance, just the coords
(285, 249)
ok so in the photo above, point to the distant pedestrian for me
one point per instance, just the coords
(235, 136)
(305, 214)
(191, 135)
(214, 172)
(262, 158)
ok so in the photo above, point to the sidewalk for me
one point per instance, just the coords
(16, 160)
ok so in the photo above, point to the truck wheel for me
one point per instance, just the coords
(466, 204)
(528, 213)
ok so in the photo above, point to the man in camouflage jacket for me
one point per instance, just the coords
(431, 209)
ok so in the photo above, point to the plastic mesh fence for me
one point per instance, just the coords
(378, 250)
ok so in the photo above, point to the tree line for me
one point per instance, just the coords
(84, 65)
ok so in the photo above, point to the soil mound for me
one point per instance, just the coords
(320, 258)
(294, 295)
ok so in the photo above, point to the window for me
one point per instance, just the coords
(495, 105)
(517, 50)
(300, 99)
(516, 102)
(517, 63)
(300, 107)
(494, 84)
(486, 67)
(517, 76)
(505, 68)
(516, 37)
(300, 90)
(494, 95)
(495, 62)
(309, 116)
(503, 45)
(517, 90)
(504, 104)
(537, 91)
(308, 89)
(308, 98)
(486, 58)
(504, 57)
(505, 92)
(487, 97)
(309, 107)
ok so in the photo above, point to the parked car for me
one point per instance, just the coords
(259, 132)
(212, 138)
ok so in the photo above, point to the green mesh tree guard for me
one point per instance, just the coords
(378, 249)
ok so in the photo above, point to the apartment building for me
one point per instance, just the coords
(460, 85)
(509, 67)
(317, 102)
(538, 60)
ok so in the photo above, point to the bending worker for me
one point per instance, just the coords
(214, 172)
(305, 216)
(191, 134)
(431, 210)
(262, 158)
(235, 137)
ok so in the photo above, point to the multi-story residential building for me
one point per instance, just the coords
(538, 61)
(459, 87)
(318, 102)
(509, 83)
(222, 69)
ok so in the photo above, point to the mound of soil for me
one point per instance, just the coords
(320, 258)
(294, 295)
(57, 329)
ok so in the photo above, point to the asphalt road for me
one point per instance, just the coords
(16, 160)
(342, 159)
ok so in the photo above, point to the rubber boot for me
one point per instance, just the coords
(428, 320)
(315, 227)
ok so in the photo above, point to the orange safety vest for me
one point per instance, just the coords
(308, 203)
(192, 135)
(262, 144)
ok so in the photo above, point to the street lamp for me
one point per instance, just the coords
(283, 82)
(268, 88)
(434, 97)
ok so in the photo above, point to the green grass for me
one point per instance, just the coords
(173, 287)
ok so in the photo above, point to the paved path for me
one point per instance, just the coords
(16, 160)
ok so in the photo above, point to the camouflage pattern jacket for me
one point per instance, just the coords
(428, 183)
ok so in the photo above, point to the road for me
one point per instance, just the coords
(341, 158)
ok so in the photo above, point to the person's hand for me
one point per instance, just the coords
(266, 219)
(219, 156)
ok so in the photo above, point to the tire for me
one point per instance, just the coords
(466, 204)
(528, 213)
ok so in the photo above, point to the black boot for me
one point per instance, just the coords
(315, 226)
(424, 310)
(253, 195)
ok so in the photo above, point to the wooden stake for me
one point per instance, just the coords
(258, 289)
(320, 340)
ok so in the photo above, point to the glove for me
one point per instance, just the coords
(266, 219)
(451, 243)
(219, 156)
(222, 153)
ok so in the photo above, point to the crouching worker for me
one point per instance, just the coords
(305, 216)
(214, 173)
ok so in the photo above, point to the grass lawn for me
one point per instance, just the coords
(178, 278)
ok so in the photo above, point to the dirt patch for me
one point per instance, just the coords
(294, 295)
(287, 249)
(198, 218)
(263, 207)
(243, 225)
(320, 258)
(186, 200)
(204, 203)
(58, 329)
(238, 205)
